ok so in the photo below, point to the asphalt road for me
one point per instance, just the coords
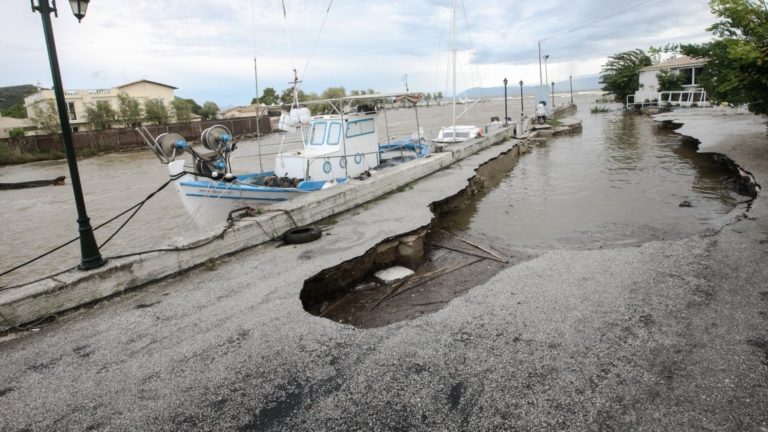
(665, 336)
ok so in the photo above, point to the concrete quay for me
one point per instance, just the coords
(670, 335)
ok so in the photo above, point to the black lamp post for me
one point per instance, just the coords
(570, 77)
(522, 111)
(553, 95)
(506, 116)
(89, 250)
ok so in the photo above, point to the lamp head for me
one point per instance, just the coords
(521, 83)
(78, 8)
(505, 81)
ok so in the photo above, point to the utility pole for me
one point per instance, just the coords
(541, 80)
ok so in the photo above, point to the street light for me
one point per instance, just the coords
(89, 250)
(546, 75)
(553, 95)
(505, 101)
(570, 77)
(522, 113)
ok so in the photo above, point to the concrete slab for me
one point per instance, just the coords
(393, 274)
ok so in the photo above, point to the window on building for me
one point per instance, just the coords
(71, 109)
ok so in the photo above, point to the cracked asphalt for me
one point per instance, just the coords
(669, 335)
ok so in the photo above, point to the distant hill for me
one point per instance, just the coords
(580, 83)
(13, 95)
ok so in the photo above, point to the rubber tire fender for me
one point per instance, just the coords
(302, 234)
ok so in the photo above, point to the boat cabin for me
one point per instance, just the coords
(335, 146)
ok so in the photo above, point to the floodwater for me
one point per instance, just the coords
(619, 183)
(36, 220)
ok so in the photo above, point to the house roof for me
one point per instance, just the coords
(146, 81)
(677, 63)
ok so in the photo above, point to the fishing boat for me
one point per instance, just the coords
(336, 148)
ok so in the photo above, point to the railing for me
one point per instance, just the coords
(680, 98)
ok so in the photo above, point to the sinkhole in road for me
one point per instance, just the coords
(444, 264)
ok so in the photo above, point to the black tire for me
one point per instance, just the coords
(303, 234)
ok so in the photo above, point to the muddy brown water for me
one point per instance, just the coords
(618, 183)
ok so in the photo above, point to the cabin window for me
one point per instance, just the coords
(334, 133)
(359, 127)
(317, 135)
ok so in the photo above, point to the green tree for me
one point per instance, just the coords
(100, 115)
(47, 117)
(16, 133)
(333, 93)
(268, 97)
(621, 74)
(438, 97)
(128, 110)
(182, 110)
(737, 67)
(155, 111)
(670, 80)
(16, 111)
(209, 111)
(194, 106)
(287, 96)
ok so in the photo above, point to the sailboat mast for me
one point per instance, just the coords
(258, 109)
(453, 52)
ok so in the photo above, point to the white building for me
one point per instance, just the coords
(77, 100)
(688, 67)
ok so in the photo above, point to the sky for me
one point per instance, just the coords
(206, 48)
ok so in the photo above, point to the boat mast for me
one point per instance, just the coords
(453, 52)
(258, 111)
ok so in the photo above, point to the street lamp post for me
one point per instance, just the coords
(89, 250)
(522, 111)
(570, 78)
(505, 101)
(546, 75)
(553, 95)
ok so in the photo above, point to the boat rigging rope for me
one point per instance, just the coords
(312, 53)
(135, 207)
(288, 35)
